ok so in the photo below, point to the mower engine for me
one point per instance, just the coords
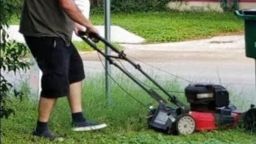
(210, 107)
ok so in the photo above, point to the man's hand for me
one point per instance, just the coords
(79, 28)
(91, 31)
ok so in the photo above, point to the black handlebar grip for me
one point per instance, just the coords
(93, 36)
(81, 33)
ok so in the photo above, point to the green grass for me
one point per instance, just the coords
(125, 117)
(176, 26)
(82, 46)
(169, 26)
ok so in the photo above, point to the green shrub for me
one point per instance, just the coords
(229, 5)
(11, 55)
(132, 5)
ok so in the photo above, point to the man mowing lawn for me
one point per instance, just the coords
(47, 27)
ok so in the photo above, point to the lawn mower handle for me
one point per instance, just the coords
(92, 38)
(95, 38)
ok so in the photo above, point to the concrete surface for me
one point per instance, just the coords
(219, 60)
(118, 35)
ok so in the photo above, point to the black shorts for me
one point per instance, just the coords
(60, 64)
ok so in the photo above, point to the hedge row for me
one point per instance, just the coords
(131, 5)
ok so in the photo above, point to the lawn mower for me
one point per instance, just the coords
(209, 108)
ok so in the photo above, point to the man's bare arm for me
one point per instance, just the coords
(75, 14)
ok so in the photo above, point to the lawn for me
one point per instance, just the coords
(157, 27)
(82, 46)
(125, 117)
(169, 26)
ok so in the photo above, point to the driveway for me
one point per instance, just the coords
(219, 60)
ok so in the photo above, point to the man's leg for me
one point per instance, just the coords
(45, 108)
(51, 56)
(76, 75)
(75, 101)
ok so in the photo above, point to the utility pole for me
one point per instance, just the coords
(107, 13)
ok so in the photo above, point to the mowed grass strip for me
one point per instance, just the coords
(125, 117)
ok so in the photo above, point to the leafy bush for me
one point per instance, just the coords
(11, 54)
(8, 8)
(229, 5)
(132, 5)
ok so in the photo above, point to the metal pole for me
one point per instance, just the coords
(107, 20)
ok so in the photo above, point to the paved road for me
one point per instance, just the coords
(218, 60)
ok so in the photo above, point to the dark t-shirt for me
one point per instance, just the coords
(45, 18)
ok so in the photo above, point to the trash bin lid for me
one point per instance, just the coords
(246, 14)
(249, 11)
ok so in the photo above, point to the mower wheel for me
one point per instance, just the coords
(250, 120)
(150, 116)
(185, 124)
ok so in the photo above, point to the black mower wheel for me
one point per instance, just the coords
(249, 121)
(150, 116)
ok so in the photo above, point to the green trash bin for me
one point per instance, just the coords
(249, 17)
